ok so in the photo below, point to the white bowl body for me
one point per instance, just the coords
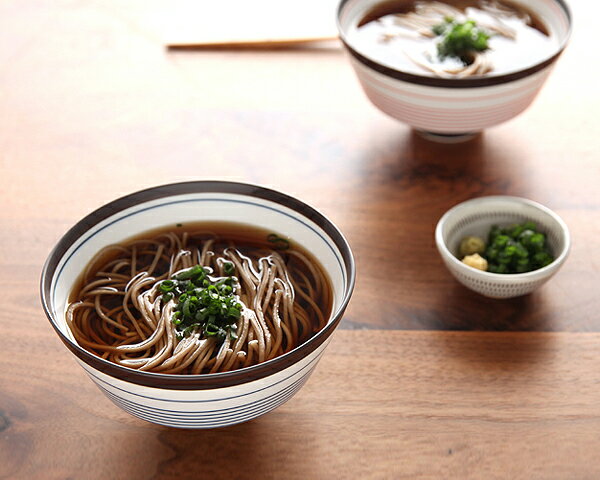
(476, 217)
(448, 111)
(452, 106)
(199, 401)
(211, 408)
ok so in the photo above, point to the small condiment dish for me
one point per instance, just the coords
(475, 218)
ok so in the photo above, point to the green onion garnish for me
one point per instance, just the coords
(519, 248)
(279, 243)
(206, 305)
(460, 40)
(228, 268)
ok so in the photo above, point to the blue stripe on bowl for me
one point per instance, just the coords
(214, 422)
(242, 410)
(119, 219)
(191, 423)
(206, 413)
(204, 425)
(95, 377)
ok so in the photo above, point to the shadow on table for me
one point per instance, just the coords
(407, 185)
(458, 308)
(248, 450)
(411, 162)
(410, 168)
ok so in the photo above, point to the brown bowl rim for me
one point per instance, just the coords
(431, 81)
(203, 381)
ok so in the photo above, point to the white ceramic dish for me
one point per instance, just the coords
(476, 217)
(211, 400)
(448, 109)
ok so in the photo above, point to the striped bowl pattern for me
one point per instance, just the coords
(445, 110)
(475, 217)
(211, 408)
(210, 400)
(452, 106)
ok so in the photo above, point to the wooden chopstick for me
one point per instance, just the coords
(251, 44)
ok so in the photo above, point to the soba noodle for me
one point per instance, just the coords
(404, 33)
(121, 314)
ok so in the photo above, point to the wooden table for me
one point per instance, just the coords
(424, 380)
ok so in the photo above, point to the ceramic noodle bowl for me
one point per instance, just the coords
(202, 400)
(450, 107)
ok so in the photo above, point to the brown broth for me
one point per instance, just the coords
(249, 240)
(533, 41)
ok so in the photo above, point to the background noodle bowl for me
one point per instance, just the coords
(451, 107)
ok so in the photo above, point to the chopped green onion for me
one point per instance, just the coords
(203, 304)
(228, 268)
(279, 243)
(167, 286)
(518, 248)
(460, 39)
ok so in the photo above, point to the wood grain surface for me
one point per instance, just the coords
(418, 405)
(93, 107)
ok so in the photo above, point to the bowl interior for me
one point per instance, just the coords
(89, 236)
(476, 217)
(554, 14)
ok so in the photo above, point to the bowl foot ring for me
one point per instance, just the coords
(447, 137)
